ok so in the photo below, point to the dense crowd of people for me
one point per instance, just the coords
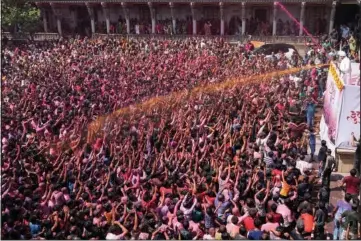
(231, 164)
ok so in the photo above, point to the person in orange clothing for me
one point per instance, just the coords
(307, 219)
(287, 185)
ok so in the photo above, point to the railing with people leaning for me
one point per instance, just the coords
(229, 38)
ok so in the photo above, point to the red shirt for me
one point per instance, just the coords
(352, 184)
(248, 223)
(277, 218)
(276, 172)
(308, 222)
(280, 107)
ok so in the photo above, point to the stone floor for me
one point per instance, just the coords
(336, 178)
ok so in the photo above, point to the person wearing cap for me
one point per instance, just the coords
(344, 67)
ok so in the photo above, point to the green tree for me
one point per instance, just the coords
(20, 13)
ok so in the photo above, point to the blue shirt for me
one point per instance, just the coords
(312, 139)
(70, 186)
(224, 206)
(310, 107)
(254, 235)
(34, 229)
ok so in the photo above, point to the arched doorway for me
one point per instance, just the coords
(346, 14)
(83, 26)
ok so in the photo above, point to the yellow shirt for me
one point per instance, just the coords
(218, 236)
(352, 43)
(285, 189)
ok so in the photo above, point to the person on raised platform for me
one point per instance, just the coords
(344, 67)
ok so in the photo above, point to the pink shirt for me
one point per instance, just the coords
(286, 214)
(44, 209)
(194, 226)
(257, 155)
(269, 226)
(58, 198)
(232, 229)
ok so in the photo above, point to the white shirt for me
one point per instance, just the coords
(222, 183)
(303, 166)
(286, 214)
(112, 236)
(188, 211)
(297, 81)
(345, 31)
(208, 237)
(345, 67)
(137, 29)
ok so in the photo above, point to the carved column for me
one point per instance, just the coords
(243, 18)
(302, 17)
(152, 15)
(174, 26)
(57, 13)
(194, 20)
(45, 20)
(106, 14)
(126, 15)
(221, 14)
(91, 15)
(274, 29)
(332, 17)
(44, 16)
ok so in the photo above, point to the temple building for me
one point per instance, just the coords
(205, 17)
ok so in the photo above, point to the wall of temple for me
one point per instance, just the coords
(262, 11)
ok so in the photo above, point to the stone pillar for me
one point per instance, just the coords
(44, 15)
(302, 17)
(106, 14)
(194, 20)
(91, 15)
(274, 29)
(152, 15)
(57, 13)
(126, 15)
(174, 24)
(45, 21)
(243, 18)
(332, 16)
(221, 14)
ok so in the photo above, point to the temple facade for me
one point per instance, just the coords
(207, 17)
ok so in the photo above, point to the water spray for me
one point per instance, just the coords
(283, 8)
(172, 101)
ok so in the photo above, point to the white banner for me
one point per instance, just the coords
(324, 135)
(332, 107)
(349, 120)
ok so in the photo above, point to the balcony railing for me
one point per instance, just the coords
(229, 38)
(35, 36)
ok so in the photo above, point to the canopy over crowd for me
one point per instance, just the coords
(232, 164)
